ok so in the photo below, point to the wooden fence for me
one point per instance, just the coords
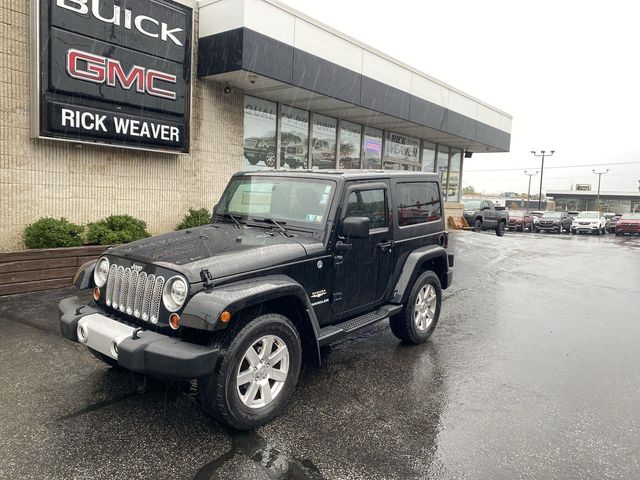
(43, 269)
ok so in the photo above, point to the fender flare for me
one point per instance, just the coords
(204, 308)
(83, 278)
(412, 265)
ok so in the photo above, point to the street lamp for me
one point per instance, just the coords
(529, 189)
(599, 177)
(541, 154)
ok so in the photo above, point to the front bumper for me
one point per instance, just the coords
(585, 228)
(139, 350)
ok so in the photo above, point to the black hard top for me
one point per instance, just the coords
(344, 174)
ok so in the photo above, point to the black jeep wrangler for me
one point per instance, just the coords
(291, 261)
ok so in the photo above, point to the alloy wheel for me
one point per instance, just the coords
(425, 308)
(262, 372)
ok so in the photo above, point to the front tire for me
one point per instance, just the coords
(256, 375)
(477, 226)
(419, 317)
(270, 159)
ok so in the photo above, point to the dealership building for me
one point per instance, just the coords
(147, 107)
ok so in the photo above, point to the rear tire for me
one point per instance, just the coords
(419, 317)
(500, 229)
(270, 377)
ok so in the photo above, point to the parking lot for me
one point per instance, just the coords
(531, 373)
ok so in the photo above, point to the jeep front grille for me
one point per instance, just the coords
(134, 293)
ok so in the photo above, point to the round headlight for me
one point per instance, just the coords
(101, 272)
(175, 293)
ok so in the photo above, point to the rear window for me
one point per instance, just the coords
(418, 202)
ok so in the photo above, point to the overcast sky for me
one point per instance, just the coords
(568, 72)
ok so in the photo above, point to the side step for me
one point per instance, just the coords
(333, 333)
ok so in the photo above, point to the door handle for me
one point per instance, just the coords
(384, 246)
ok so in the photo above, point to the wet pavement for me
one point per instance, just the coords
(532, 373)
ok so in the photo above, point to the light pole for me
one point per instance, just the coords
(529, 189)
(599, 178)
(541, 154)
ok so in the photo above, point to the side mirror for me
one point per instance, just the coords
(355, 227)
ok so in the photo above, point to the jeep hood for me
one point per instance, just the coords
(222, 249)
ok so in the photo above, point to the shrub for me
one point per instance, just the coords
(116, 229)
(195, 218)
(52, 233)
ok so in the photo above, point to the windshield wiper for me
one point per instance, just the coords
(227, 214)
(277, 224)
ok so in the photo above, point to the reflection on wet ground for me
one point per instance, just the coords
(531, 373)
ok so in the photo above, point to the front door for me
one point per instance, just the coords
(363, 272)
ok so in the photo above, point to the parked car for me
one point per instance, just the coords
(589, 222)
(612, 219)
(536, 217)
(484, 215)
(628, 223)
(292, 261)
(520, 220)
(260, 149)
(554, 222)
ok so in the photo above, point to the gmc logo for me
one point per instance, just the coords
(103, 70)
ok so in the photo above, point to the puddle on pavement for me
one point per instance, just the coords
(277, 465)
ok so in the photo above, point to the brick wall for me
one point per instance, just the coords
(85, 183)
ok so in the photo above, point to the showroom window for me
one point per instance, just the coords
(372, 148)
(294, 137)
(442, 165)
(453, 182)
(323, 141)
(401, 152)
(350, 138)
(259, 142)
(428, 156)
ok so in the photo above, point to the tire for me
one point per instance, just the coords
(112, 362)
(560, 229)
(573, 232)
(413, 329)
(500, 229)
(220, 393)
(270, 159)
(477, 226)
(537, 230)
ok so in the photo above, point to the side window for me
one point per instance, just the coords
(368, 203)
(418, 203)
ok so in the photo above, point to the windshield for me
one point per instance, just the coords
(552, 215)
(630, 216)
(588, 215)
(301, 201)
(472, 205)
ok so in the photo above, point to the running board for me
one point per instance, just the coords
(335, 332)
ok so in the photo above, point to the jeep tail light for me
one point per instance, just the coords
(443, 241)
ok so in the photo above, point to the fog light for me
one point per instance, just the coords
(114, 350)
(96, 294)
(82, 333)
(174, 321)
(225, 317)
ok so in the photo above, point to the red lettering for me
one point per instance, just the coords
(102, 70)
(152, 76)
(93, 70)
(135, 75)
